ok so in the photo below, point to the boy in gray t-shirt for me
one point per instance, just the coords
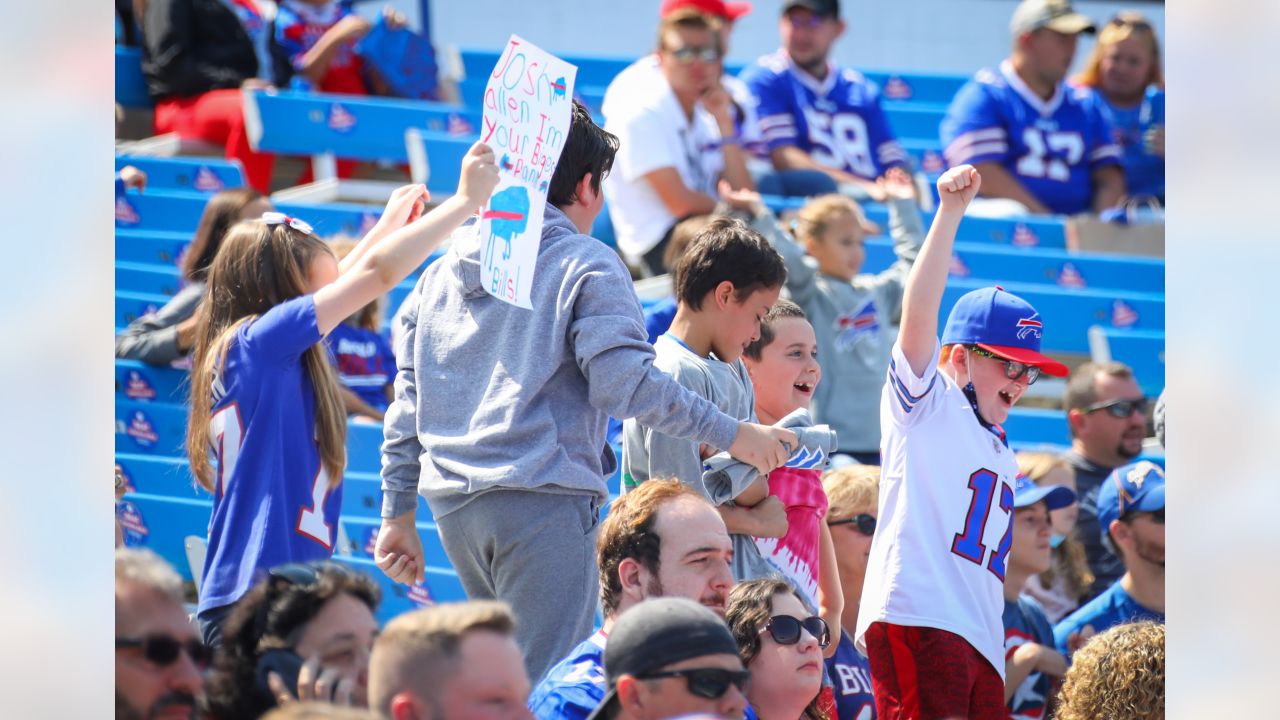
(725, 282)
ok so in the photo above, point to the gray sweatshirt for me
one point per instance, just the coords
(492, 396)
(856, 323)
(649, 452)
(153, 338)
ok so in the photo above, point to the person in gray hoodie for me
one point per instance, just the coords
(500, 413)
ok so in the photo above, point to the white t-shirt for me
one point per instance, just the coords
(945, 514)
(653, 133)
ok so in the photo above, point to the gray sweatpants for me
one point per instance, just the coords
(536, 552)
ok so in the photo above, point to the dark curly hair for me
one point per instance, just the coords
(749, 608)
(273, 615)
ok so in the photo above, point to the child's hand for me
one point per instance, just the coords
(771, 515)
(479, 175)
(957, 187)
(133, 177)
(405, 205)
(745, 200)
(897, 184)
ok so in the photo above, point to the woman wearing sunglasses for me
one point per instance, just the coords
(781, 643)
(852, 494)
(304, 633)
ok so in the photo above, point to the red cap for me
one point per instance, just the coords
(719, 8)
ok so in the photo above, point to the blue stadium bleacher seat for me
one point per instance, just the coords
(157, 247)
(1142, 350)
(920, 88)
(140, 381)
(440, 586)
(912, 122)
(154, 428)
(131, 86)
(160, 210)
(132, 305)
(203, 175)
(163, 523)
(147, 278)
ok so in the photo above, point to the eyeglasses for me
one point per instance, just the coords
(1012, 368)
(689, 53)
(1120, 408)
(786, 629)
(164, 650)
(866, 524)
(709, 683)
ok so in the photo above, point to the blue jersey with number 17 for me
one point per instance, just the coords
(837, 120)
(1052, 146)
(272, 502)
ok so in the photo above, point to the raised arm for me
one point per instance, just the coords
(928, 278)
(390, 260)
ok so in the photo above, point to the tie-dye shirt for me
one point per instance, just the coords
(795, 555)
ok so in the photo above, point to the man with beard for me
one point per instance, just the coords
(1107, 416)
(159, 656)
(660, 540)
(1131, 509)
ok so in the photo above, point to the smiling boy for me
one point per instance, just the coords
(725, 283)
(930, 616)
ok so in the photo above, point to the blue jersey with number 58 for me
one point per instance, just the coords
(1052, 147)
(272, 501)
(837, 120)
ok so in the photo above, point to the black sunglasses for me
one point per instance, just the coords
(866, 524)
(1012, 368)
(709, 683)
(1120, 409)
(164, 650)
(786, 629)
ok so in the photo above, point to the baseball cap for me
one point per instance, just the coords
(719, 8)
(1136, 487)
(821, 8)
(1000, 322)
(1031, 15)
(1026, 493)
(656, 633)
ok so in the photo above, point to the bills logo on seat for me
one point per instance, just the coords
(1030, 326)
(137, 387)
(853, 327)
(932, 162)
(141, 430)
(1070, 277)
(131, 522)
(420, 595)
(895, 88)
(1123, 315)
(126, 213)
(958, 267)
(459, 126)
(340, 119)
(206, 180)
(1024, 236)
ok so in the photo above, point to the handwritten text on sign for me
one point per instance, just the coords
(527, 106)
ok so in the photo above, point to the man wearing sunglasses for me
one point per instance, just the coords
(1107, 417)
(1131, 511)
(669, 657)
(662, 539)
(159, 656)
(677, 140)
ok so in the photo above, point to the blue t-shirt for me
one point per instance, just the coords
(1052, 147)
(837, 120)
(1025, 622)
(272, 503)
(1143, 171)
(850, 673)
(575, 686)
(1113, 607)
(365, 362)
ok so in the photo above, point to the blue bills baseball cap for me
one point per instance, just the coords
(1137, 487)
(1002, 323)
(1026, 493)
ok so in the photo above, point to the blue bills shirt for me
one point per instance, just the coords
(573, 687)
(1113, 607)
(273, 502)
(1025, 622)
(850, 673)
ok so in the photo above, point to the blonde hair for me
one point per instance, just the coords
(817, 215)
(1118, 674)
(368, 317)
(1122, 27)
(851, 488)
(258, 267)
(1069, 559)
(417, 650)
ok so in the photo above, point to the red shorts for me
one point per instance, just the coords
(922, 673)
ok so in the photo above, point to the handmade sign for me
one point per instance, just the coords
(527, 106)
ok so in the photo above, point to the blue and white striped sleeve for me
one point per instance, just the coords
(906, 396)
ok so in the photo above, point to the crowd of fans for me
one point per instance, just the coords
(759, 560)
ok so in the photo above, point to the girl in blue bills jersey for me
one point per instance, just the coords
(267, 434)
